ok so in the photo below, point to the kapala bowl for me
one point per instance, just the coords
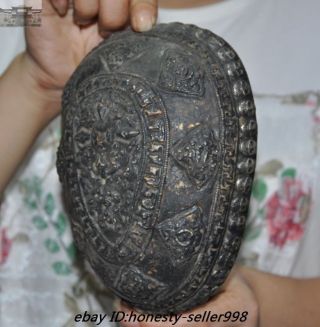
(156, 159)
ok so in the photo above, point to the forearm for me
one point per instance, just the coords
(25, 109)
(284, 301)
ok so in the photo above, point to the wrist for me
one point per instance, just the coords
(25, 109)
(48, 99)
(23, 82)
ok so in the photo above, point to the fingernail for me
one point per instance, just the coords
(144, 20)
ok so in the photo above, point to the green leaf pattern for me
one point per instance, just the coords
(61, 223)
(259, 189)
(39, 222)
(42, 206)
(71, 249)
(52, 245)
(45, 216)
(289, 172)
(61, 268)
(49, 204)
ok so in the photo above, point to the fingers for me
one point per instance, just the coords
(85, 11)
(61, 6)
(110, 14)
(113, 14)
(143, 14)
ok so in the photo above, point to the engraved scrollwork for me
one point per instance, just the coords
(180, 74)
(136, 285)
(160, 247)
(120, 142)
(109, 143)
(198, 153)
(121, 52)
(182, 234)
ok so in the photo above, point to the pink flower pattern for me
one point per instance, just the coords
(286, 211)
(5, 245)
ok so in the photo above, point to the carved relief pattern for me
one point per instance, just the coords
(114, 157)
(108, 147)
(120, 52)
(120, 146)
(182, 234)
(179, 74)
(137, 285)
(223, 236)
(199, 154)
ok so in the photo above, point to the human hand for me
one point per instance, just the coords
(65, 37)
(236, 302)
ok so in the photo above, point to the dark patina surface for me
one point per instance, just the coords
(156, 160)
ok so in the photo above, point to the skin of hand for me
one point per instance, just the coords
(270, 300)
(66, 36)
(31, 87)
(236, 296)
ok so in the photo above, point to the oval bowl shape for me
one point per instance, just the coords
(157, 159)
